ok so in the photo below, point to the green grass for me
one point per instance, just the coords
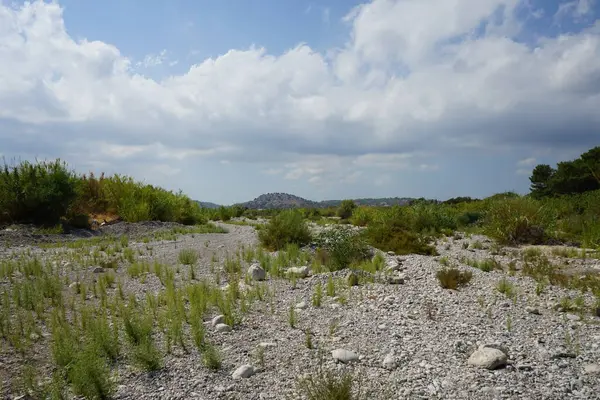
(188, 256)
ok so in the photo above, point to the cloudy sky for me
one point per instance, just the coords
(325, 99)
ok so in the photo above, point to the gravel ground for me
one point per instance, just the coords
(413, 340)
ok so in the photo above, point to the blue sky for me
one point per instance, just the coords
(332, 99)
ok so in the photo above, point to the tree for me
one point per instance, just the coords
(346, 209)
(570, 177)
(541, 180)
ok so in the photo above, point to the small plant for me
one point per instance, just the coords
(452, 278)
(566, 304)
(330, 286)
(211, 357)
(318, 295)
(308, 339)
(292, 319)
(505, 287)
(260, 356)
(188, 256)
(509, 323)
(325, 384)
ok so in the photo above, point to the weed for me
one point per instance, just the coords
(452, 278)
(505, 287)
(211, 358)
(292, 318)
(325, 384)
(318, 295)
(188, 256)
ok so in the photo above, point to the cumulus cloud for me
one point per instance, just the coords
(415, 78)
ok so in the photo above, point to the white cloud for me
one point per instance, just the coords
(416, 78)
(153, 60)
(526, 162)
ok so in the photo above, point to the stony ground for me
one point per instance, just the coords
(408, 339)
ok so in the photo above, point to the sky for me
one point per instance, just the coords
(229, 99)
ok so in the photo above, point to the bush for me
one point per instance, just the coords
(362, 216)
(288, 227)
(393, 230)
(36, 193)
(346, 208)
(452, 278)
(45, 192)
(343, 247)
(326, 384)
(519, 220)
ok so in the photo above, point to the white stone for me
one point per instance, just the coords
(219, 319)
(488, 358)
(300, 272)
(223, 328)
(344, 356)
(390, 362)
(245, 371)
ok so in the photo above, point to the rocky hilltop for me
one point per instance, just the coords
(285, 200)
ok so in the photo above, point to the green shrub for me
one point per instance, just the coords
(391, 230)
(36, 193)
(343, 247)
(188, 256)
(362, 216)
(325, 384)
(519, 220)
(346, 208)
(288, 227)
(452, 278)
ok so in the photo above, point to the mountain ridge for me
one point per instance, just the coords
(277, 200)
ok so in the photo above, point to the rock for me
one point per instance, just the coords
(219, 319)
(301, 305)
(532, 310)
(391, 253)
(389, 362)
(393, 265)
(98, 270)
(300, 272)
(396, 279)
(344, 356)
(488, 358)
(245, 371)
(591, 369)
(266, 345)
(573, 317)
(257, 273)
(222, 328)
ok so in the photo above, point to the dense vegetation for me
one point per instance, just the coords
(570, 177)
(47, 193)
(563, 206)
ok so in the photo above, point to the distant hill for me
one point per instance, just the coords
(207, 204)
(383, 201)
(285, 200)
(278, 201)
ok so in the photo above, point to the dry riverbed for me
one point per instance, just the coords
(398, 333)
